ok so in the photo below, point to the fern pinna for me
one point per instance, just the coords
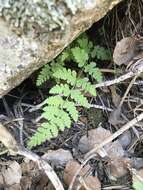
(59, 109)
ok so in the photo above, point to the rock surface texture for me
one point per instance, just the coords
(33, 32)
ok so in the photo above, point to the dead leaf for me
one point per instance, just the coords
(49, 187)
(33, 178)
(14, 187)
(118, 167)
(58, 158)
(117, 163)
(1, 182)
(89, 182)
(8, 140)
(12, 175)
(27, 166)
(83, 119)
(41, 181)
(26, 182)
(136, 162)
(125, 51)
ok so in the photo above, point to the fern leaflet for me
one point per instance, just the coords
(86, 86)
(45, 132)
(78, 97)
(80, 56)
(101, 53)
(66, 74)
(71, 109)
(92, 70)
(44, 75)
(62, 89)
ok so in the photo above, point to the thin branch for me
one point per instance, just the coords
(127, 90)
(115, 81)
(101, 107)
(135, 69)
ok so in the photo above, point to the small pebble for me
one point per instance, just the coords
(125, 139)
(58, 158)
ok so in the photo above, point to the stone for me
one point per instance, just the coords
(95, 136)
(32, 34)
(58, 158)
(12, 175)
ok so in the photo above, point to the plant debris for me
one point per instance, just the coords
(87, 181)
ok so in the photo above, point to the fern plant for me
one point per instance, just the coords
(59, 109)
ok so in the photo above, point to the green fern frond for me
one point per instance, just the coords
(50, 112)
(43, 133)
(44, 75)
(80, 56)
(137, 184)
(93, 71)
(86, 86)
(101, 53)
(64, 56)
(58, 115)
(54, 101)
(59, 123)
(85, 44)
(89, 68)
(51, 115)
(56, 66)
(71, 109)
(59, 109)
(61, 89)
(97, 75)
(66, 118)
(78, 97)
(66, 74)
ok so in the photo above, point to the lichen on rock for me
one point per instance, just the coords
(33, 32)
(34, 15)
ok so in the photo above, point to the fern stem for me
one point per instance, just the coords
(37, 107)
(101, 107)
(109, 71)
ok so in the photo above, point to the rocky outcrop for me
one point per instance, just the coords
(33, 32)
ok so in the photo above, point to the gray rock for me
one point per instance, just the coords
(125, 139)
(33, 32)
(58, 158)
(95, 136)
